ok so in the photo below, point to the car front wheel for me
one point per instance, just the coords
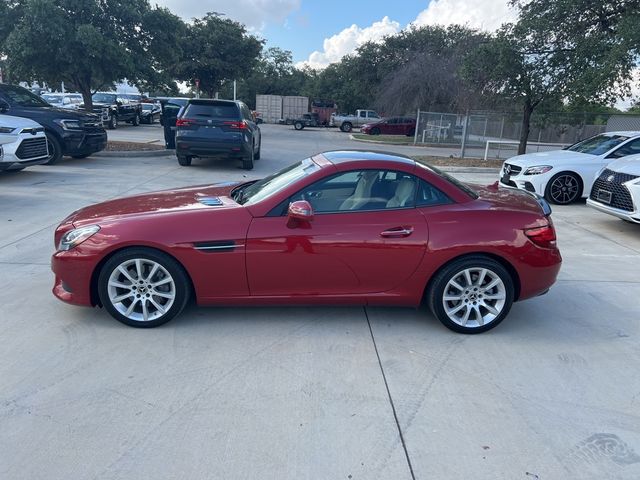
(471, 295)
(113, 122)
(143, 288)
(136, 120)
(55, 149)
(563, 188)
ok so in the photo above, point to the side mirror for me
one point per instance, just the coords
(4, 106)
(301, 210)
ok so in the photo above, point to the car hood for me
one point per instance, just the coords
(629, 165)
(47, 113)
(154, 203)
(17, 122)
(550, 158)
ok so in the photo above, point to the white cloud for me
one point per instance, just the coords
(482, 14)
(345, 42)
(253, 13)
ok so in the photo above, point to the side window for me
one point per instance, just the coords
(361, 190)
(363, 114)
(629, 148)
(429, 195)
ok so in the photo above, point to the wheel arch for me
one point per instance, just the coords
(93, 289)
(492, 256)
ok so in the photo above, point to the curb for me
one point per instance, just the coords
(134, 153)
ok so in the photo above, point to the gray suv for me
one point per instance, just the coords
(207, 128)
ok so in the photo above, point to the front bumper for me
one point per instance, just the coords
(82, 143)
(73, 272)
(616, 212)
(23, 152)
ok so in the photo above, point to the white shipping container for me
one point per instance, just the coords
(294, 107)
(269, 107)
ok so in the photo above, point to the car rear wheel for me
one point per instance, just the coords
(298, 125)
(375, 131)
(113, 122)
(143, 288)
(563, 188)
(256, 155)
(247, 162)
(471, 295)
(55, 149)
(185, 161)
(136, 120)
(346, 127)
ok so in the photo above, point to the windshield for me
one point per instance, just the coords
(598, 145)
(23, 97)
(146, 106)
(254, 193)
(54, 99)
(104, 98)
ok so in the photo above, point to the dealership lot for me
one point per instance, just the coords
(314, 393)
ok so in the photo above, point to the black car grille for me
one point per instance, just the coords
(511, 169)
(32, 148)
(611, 181)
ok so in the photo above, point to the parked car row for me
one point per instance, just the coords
(605, 169)
(67, 131)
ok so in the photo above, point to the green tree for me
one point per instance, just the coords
(214, 50)
(508, 65)
(90, 44)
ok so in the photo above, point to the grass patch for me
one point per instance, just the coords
(457, 162)
(397, 139)
(114, 146)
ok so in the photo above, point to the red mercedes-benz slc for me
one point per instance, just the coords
(343, 227)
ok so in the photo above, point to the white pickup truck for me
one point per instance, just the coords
(347, 122)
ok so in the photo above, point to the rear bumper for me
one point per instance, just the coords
(205, 148)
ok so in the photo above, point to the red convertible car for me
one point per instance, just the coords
(343, 227)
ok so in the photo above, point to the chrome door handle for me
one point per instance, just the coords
(397, 232)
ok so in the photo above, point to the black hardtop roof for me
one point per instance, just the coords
(339, 156)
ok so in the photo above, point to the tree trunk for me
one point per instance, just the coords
(86, 99)
(526, 123)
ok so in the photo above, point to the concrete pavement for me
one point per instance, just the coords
(311, 393)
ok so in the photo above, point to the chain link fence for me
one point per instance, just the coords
(496, 134)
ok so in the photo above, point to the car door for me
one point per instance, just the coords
(368, 248)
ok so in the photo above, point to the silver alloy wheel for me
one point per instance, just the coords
(474, 297)
(564, 189)
(141, 289)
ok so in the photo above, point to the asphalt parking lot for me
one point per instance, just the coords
(311, 393)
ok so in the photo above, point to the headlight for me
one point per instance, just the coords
(537, 170)
(6, 129)
(75, 237)
(69, 124)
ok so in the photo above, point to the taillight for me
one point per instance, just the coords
(544, 237)
(184, 122)
(233, 125)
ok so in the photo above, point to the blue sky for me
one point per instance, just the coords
(321, 32)
(305, 30)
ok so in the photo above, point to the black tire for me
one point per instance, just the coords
(375, 131)
(136, 120)
(247, 161)
(346, 127)
(55, 149)
(256, 154)
(185, 161)
(113, 122)
(84, 155)
(454, 271)
(180, 287)
(563, 188)
(298, 125)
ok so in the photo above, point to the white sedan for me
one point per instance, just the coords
(616, 190)
(563, 176)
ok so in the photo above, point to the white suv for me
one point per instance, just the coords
(616, 189)
(22, 143)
